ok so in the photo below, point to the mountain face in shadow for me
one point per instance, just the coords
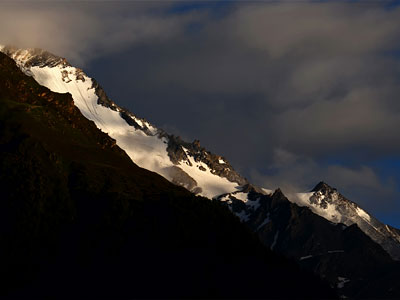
(79, 218)
(343, 255)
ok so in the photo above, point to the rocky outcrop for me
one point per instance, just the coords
(217, 164)
(180, 177)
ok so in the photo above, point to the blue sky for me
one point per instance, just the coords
(289, 92)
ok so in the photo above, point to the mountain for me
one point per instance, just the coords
(344, 255)
(321, 230)
(186, 164)
(333, 206)
(79, 218)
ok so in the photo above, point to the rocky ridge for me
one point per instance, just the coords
(183, 163)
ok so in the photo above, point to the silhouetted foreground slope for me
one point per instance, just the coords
(77, 217)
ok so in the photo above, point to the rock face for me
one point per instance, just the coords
(181, 178)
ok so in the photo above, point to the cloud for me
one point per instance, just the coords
(311, 78)
(365, 117)
(293, 174)
(316, 29)
(82, 31)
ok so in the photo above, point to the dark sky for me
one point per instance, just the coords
(290, 92)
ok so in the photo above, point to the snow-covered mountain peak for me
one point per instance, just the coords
(183, 163)
(323, 196)
(327, 202)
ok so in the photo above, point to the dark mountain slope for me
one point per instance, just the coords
(344, 255)
(77, 217)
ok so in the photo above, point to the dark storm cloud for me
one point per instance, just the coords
(278, 88)
(85, 30)
(324, 67)
(309, 79)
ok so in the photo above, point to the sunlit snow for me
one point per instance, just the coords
(267, 191)
(212, 185)
(241, 196)
(363, 214)
(330, 213)
(149, 152)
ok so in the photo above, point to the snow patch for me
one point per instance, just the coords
(265, 222)
(335, 251)
(392, 233)
(243, 216)
(241, 196)
(212, 185)
(341, 282)
(221, 161)
(329, 212)
(244, 197)
(275, 240)
(267, 191)
(363, 214)
(305, 257)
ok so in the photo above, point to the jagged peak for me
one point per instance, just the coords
(248, 187)
(278, 193)
(322, 186)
